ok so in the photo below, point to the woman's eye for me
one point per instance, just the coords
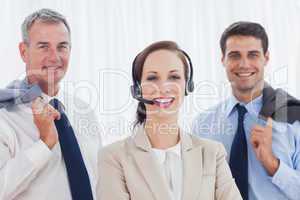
(175, 77)
(151, 78)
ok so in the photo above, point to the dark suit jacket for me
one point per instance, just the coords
(279, 105)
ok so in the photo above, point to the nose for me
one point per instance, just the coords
(167, 87)
(244, 63)
(53, 56)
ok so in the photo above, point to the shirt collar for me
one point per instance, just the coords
(229, 105)
(58, 96)
(47, 98)
(161, 153)
(252, 107)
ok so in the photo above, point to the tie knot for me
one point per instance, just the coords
(241, 110)
(57, 105)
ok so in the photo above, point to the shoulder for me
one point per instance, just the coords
(8, 120)
(212, 111)
(204, 120)
(70, 100)
(11, 115)
(207, 144)
(116, 151)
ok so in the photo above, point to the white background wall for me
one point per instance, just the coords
(107, 34)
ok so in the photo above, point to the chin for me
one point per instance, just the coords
(168, 113)
(57, 75)
(245, 89)
(53, 81)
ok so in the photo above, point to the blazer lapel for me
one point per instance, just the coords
(148, 167)
(192, 168)
(268, 107)
(279, 105)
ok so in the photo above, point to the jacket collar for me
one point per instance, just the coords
(192, 166)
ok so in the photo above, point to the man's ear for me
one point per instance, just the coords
(23, 48)
(223, 59)
(267, 57)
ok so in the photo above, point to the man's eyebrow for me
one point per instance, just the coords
(47, 43)
(64, 43)
(254, 51)
(42, 43)
(233, 52)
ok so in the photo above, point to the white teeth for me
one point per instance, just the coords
(168, 100)
(244, 74)
(52, 67)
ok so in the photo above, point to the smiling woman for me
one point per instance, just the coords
(160, 73)
(160, 161)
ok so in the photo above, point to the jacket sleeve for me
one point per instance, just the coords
(112, 183)
(226, 188)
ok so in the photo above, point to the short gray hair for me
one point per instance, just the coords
(44, 15)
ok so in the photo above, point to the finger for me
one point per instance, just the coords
(257, 134)
(258, 127)
(51, 106)
(255, 141)
(38, 105)
(56, 115)
(269, 124)
(35, 103)
(257, 130)
(52, 112)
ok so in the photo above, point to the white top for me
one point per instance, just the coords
(29, 170)
(170, 163)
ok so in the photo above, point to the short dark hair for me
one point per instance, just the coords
(244, 28)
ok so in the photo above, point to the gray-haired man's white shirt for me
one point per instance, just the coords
(29, 170)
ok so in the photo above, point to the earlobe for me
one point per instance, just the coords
(22, 50)
(267, 56)
(222, 60)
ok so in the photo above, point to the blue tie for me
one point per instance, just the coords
(77, 174)
(239, 155)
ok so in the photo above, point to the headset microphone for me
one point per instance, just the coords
(146, 101)
(138, 97)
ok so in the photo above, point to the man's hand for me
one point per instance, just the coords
(43, 117)
(261, 140)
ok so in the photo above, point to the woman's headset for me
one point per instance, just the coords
(136, 89)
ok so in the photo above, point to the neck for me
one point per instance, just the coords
(51, 89)
(162, 134)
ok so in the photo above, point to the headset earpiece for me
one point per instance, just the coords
(189, 88)
(136, 89)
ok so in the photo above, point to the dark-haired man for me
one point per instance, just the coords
(264, 153)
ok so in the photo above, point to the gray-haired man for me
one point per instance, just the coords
(43, 153)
